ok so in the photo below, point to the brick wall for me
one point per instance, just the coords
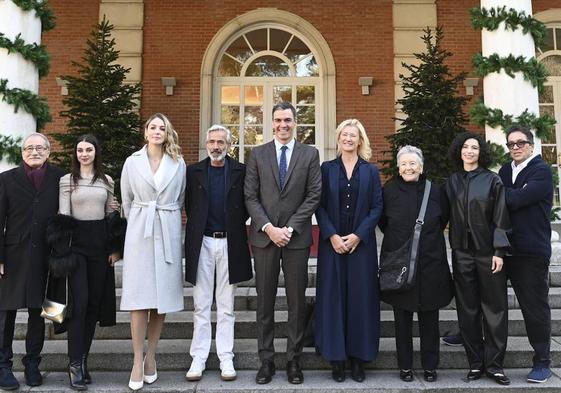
(177, 33)
(66, 42)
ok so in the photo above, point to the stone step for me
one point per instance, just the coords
(377, 381)
(246, 299)
(116, 355)
(180, 325)
(554, 276)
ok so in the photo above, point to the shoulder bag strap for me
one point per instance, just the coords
(417, 233)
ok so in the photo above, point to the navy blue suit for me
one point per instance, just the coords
(529, 202)
(347, 295)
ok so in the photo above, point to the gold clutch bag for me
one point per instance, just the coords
(52, 310)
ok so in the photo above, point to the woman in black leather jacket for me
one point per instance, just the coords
(478, 226)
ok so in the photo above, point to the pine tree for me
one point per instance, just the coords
(434, 111)
(99, 102)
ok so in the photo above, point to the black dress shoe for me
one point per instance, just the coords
(8, 380)
(265, 373)
(430, 375)
(357, 369)
(87, 376)
(406, 375)
(76, 375)
(499, 378)
(294, 372)
(32, 374)
(474, 375)
(338, 371)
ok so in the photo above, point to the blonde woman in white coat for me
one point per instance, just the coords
(153, 189)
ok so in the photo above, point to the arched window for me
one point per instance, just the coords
(258, 67)
(549, 54)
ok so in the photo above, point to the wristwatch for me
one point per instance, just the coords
(290, 229)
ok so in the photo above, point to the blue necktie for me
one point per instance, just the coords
(282, 166)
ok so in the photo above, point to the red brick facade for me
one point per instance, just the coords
(177, 33)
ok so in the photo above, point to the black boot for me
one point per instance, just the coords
(76, 375)
(357, 369)
(87, 376)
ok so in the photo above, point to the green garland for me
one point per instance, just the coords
(42, 9)
(482, 18)
(28, 101)
(481, 115)
(34, 53)
(533, 71)
(10, 148)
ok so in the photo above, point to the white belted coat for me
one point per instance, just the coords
(152, 268)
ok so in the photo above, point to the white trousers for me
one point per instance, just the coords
(213, 256)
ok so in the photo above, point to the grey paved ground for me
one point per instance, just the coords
(449, 381)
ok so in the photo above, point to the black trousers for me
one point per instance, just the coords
(87, 285)
(529, 277)
(34, 338)
(267, 269)
(429, 335)
(481, 300)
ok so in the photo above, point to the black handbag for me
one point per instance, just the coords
(398, 267)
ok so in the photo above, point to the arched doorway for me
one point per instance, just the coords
(260, 58)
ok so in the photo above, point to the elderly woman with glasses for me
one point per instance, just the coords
(432, 287)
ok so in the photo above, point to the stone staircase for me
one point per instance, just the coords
(111, 355)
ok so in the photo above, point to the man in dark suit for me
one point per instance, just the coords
(282, 192)
(28, 198)
(215, 242)
(529, 194)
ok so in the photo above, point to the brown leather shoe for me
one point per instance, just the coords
(265, 373)
(294, 372)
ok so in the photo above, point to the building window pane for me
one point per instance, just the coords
(278, 39)
(552, 65)
(257, 39)
(549, 154)
(230, 114)
(547, 96)
(268, 66)
(253, 115)
(305, 95)
(306, 134)
(307, 67)
(548, 41)
(297, 50)
(282, 94)
(306, 114)
(240, 50)
(229, 67)
(235, 134)
(253, 95)
(558, 38)
(253, 135)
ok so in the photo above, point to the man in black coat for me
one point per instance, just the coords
(28, 198)
(215, 242)
(529, 193)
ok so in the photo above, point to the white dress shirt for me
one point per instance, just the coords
(516, 169)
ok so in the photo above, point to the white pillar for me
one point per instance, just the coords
(19, 72)
(500, 91)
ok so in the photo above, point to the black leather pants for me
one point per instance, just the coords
(481, 300)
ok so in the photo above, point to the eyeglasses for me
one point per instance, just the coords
(518, 144)
(39, 148)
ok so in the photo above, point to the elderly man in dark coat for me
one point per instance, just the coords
(215, 246)
(28, 198)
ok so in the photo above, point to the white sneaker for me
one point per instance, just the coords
(195, 372)
(228, 372)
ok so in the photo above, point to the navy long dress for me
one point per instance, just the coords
(347, 295)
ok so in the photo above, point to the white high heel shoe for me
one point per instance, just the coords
(137, 385)
(149, 379)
